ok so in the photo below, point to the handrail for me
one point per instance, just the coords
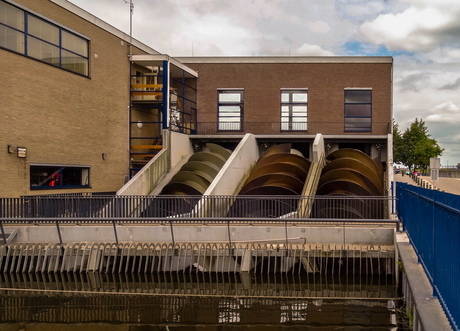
(184, 207)
(432, 221)
(308, 127)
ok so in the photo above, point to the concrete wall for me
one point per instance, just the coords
(198, 233)
(180, 146)
(427, 312)
(237, 168)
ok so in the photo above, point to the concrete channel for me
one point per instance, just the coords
(261, 249)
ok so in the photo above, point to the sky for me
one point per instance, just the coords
(423, 36)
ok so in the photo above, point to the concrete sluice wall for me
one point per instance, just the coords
(148, 258)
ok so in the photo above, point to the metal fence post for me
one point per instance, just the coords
(115, 231)
(229, 238)
(58, 231)
(3, 233)
(172, 233)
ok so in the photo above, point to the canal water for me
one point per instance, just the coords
(198, 301)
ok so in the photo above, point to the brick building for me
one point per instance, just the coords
(84, 106)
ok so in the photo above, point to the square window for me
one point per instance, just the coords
(294, 109)
(358, 111)
(230, 110)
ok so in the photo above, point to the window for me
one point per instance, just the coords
(230, 110)
(358, 110)
(25, 33)
(11, 28)
(51, 176)
(294, 109)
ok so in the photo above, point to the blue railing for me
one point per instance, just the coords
(432, 222)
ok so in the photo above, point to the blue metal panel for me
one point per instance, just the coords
(165, 108)
(432, 221)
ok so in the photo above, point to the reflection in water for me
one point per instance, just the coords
(200, 301)
(303, 285)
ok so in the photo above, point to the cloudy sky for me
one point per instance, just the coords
(423, 36)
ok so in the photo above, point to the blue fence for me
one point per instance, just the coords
(432, 222)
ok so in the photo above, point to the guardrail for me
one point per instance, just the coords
(432, 221)
(94, 208)
(239, 128)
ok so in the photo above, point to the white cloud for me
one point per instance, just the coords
(319, 27)
(447, 112)
(312, 50)
(421, 27)
(362, 8)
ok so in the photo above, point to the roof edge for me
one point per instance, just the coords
(285, 59)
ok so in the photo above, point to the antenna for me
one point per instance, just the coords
(131, 11)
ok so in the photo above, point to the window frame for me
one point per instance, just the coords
(357, 122)
(37, 181)
(230, 126)
(291, 113)
(28, 38)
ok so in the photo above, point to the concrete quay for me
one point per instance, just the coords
(448, 185)
(426, 310)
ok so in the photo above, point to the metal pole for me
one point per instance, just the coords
(115, 231)
(229, 238)
(172, 233)
(59, 232)
(131, 9)
(3, 233)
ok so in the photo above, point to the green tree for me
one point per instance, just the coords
(398, 145)
(414, 147)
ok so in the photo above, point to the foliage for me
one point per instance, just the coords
(414, 147)
(398, 145)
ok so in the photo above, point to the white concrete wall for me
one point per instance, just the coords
(181, 147)
(237, 168)
(318, 149)
(203, 233)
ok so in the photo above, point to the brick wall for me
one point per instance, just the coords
(325, 82)
(64, 118)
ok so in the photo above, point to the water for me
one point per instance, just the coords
(196, 301)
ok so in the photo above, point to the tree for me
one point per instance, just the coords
(414, 147)
(398, 145)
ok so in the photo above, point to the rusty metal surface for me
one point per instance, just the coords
(356, 165)
(277, 179)
(357, 155)
(351, 173)
(284, 158)
(279, 168)
(277, 172)
(277, 149)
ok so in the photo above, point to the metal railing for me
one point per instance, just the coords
(432, 221)
(239, 128)
(186, 209)
(149, 176)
